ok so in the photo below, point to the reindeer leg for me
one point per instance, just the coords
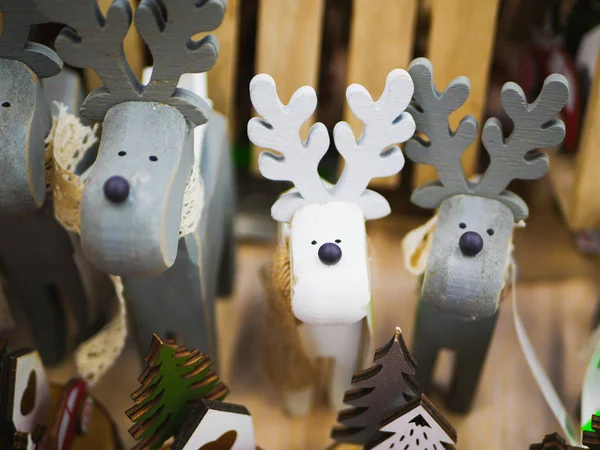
(470, 359)
(347, 359)
(426, 345)
(174, 304)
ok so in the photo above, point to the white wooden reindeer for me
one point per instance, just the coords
(323, 228)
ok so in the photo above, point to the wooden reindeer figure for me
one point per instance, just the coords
(37, 254)
(134, 194)
(470, 254)
(322, 294)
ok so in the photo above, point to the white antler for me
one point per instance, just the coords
(279, 130)
(385, 123)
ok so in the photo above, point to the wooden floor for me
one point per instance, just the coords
(509, 412)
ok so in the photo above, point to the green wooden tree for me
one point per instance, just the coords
(173, 379)
(591, 434)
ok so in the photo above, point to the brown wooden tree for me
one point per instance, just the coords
(377, 391)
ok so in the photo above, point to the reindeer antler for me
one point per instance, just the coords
(279, 130)
(443, 148)
(169, 40)
(510, 158)
(17, 18)
(385, 124)
(167, 26)
(534, 127)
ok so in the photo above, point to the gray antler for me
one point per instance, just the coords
(442, 147)
(167, 26)
(169, 38)
(17, 18)
(534, 127)
(96, 42)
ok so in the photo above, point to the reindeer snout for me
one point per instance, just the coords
(116, 189)
(470, 243)
(330, 253)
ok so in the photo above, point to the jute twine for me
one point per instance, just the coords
(284, 358)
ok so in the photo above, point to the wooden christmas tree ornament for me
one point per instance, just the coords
(592, 438)
(214, 425)
(322, 296)
(413, 426)
(151, 167)
(377, 391)
(467, 266)
(175, 378)
(25, 391)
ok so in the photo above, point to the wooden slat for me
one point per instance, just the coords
(461, 43)
(586, 201)
(381, 39)
(221, 78)
(134, 50)
(288, 46)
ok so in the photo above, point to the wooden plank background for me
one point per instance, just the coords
(381, 39)
(288, 46)
(460, 43)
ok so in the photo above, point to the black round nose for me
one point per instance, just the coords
(116, 189)
(470, 243)
(330, 253)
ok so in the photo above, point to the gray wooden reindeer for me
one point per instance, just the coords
(37, 254)
(471, 250)
(133, 197)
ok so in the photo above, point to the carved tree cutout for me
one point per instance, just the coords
(377, 391)
(414, 426)
(173, 380)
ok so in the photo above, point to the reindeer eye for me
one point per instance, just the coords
(338, 241)
(122, 153)
(153, 158)
(490, 231)
(314, 242)
(6, 105)
(462, 225)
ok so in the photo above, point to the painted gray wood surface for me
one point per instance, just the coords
(149, 145)
(468, 263)
(180, 302)
(97, 43)
(24, 123)
(38, 255)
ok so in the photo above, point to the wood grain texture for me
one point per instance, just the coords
(460, 43)
(134, 51)
(381, 39)
(288, 47)
(585, 211)
(222, 77)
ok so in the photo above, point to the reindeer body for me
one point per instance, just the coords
(321, 297)
(468, 264)
(180, 301)
(133, 196)
(38, 256)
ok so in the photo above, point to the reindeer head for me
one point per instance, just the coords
(471, 247)
(24, 114)
(327, 237)
(133, 196)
